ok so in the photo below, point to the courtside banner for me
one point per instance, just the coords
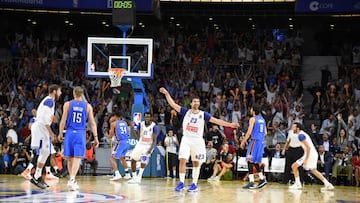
(141, 5)
(327, 6)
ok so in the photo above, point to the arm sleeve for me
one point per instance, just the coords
(301, 137)
(207, 116)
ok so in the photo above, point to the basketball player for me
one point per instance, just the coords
(255, 150)
(75, 114)
(50, 160)
(120, 129)
(148, 131)
(41, 132)
(192, 142)
(308, 160)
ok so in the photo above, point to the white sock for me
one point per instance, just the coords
(182, 177)
(48, 169)
(168, 173)
(38, 173)
(72, 178)
(117, 173)
(297, 181)
(56, 168)
(174, 173)
(195, 174)
(141, 171)
(261, 176)
(326, 182)
(30, 166)
(251, 178)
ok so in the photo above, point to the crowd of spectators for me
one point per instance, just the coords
(230, 71)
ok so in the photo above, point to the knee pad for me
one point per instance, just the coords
(144, 159)
(43, 155)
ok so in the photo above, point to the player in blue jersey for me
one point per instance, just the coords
(75, 114)
(119, 131)
(41, 132)
(255, 150)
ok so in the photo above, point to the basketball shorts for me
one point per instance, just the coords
(255, 151)
(120, 149)
(75, 143)
(194, 147)
(312, 162)
(140, 150)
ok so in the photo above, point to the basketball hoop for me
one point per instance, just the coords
(115, 76)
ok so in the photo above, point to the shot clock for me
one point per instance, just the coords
(123, 12)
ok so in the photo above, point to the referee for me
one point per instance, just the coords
(294, 152)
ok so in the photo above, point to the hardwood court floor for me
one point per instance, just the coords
(100, 189)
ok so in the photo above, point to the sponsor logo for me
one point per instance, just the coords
(316, 6)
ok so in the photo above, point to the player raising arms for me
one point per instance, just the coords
(120, 129)
(192, 142)
(75, 114)
(41, 132)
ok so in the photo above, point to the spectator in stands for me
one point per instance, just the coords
(221, 167)
(325, 141)
(356, 166)
(8, 152)
(216, 136)
(324, 163)
(277, 154)
(12, 133)
(90, 157)
(207, 167)
(342, 165)
(328, 125)
(171, 144)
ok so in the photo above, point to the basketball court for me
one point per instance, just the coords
(100, 189)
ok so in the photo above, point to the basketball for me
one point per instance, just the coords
(116, 90)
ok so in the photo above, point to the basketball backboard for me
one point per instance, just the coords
(132, 54)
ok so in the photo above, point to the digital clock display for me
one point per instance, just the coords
(124, 12)
(123, 4)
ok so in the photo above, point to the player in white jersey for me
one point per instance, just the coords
(148, 133)
(308, 160)
(41, 132)
(192, 142)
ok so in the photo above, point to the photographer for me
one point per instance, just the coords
(21, 158)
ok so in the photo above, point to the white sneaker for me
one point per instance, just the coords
(295, 187)
(127, 176)
(328, 187)
(134, 180)
(51, 176)
(73, 186)
(115, 178)
(216, 178)
(26, 174)
(211, 178)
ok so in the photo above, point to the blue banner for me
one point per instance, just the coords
(104, 5)
(327, 6)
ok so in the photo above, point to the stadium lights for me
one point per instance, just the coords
(290, 19)
(210, 18)
(66, 21)
(172, 18)
(250, 19)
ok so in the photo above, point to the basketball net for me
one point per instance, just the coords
(115, 76)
